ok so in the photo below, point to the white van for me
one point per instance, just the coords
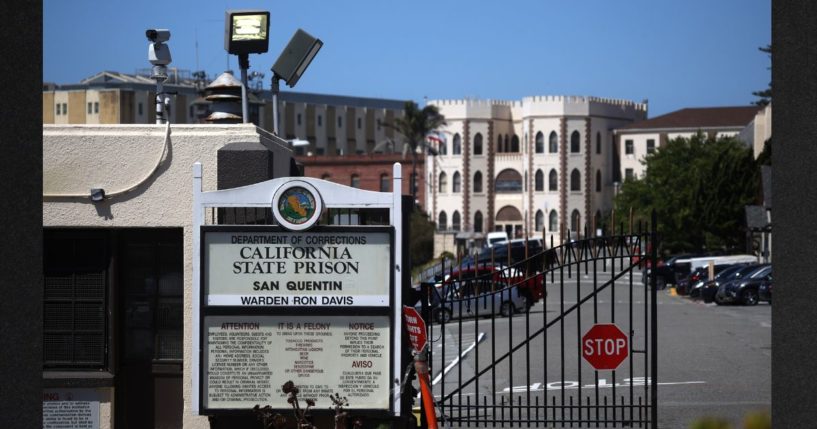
(695, 263)
(495, 237)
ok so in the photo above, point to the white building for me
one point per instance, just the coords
(541, 165)
(751, 124)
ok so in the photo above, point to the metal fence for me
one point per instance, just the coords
(506, 339)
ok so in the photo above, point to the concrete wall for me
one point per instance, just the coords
(118, 157)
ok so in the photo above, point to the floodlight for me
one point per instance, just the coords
(246, 31)
(296, 57)
(97, 194)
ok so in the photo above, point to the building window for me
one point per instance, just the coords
(442, 222)
(553, 180)
(64, 108)
(508, 181)
(507, 144)
(526, 182)
(359, 123)
(553, 220)
(598, 180)
(575, 142)
(650, 145)
(553, 142)
(455, 182)
(59, 111)
(320, 120)
(456, 147)
(384, 183)
(478, 221)
(90, 107)
(299, 119)
(628, 147)
(540, 142)
(598, 143)
(355, 183)
(575, 221)
(340, 122)
(455, 221)
(443, 183)
(499, 148)
(478, 182)
(96, 107)
(628, 174)
(443, 147)
(575, 180)
(540, 220)
(515, 144)
(478, 144)
(539, 181)
(75, 311)
(139, 108)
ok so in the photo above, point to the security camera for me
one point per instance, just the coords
(157, 35)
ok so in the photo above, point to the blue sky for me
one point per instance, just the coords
(676, 54)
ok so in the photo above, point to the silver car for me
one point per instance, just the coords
(473, 298)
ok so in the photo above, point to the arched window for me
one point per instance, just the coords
(477, 182)
(598, 180)
(526, 182)
(455, 182)
(442, 221)
(553, 180)
(553, 142)
(355, 182)
(540, 142)
(507, 144)
(478, 144)
(443, 183)
(598, 219)
(515, 144)
(598, 142)
(553, 221)
(508, 181)
(499, 148)
(443, 147)
(384, 183)
(540, 220)
(575, 180)
(455, 221)
(478, 221)
(575, 221)
(456, 149)
(575, 142)
(539, 181)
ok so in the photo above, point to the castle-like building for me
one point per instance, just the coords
(544, 165)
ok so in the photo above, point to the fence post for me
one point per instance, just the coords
(654, 322)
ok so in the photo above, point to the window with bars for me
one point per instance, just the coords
(75, 319)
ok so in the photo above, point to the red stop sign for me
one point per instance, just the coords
(605, 346)
(416, 327)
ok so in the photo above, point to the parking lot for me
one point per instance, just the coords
(713, 360)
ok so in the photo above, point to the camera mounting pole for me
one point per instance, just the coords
(244, 65)
(159, 56)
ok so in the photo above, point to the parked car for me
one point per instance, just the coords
(764, 291)
(474, 298)
(710, 288)
(531, 286)
(498, 254)
(495, 237)
(694, 288)
(744, 290)
(665, 269)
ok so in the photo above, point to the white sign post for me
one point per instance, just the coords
(317, 305)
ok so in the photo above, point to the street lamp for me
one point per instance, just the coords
(291, 64)
(246, 32)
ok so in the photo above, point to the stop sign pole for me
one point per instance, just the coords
(605, 346)
(416, 327)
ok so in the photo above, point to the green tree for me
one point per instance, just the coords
(766, 94)
(421, 245)
(414, 126)
(698, 188)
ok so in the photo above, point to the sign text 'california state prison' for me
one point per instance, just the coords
(297, 269)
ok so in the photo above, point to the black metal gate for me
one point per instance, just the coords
(506, 339)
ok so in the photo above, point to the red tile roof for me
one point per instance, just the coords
(699, 118)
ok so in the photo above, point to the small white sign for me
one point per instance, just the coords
(70, 409)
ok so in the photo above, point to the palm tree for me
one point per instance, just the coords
(414, 126)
